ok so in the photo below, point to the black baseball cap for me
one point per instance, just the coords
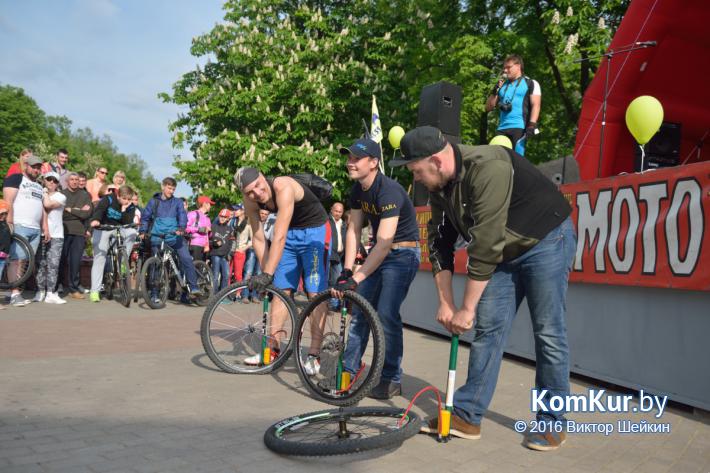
(363, 148)
(419, 143)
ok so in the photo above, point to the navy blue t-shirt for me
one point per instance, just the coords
(384, 199)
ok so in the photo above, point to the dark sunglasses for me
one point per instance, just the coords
(51, 179)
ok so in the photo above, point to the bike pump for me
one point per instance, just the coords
(265, 348)
(445, 413)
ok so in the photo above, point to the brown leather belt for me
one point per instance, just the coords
(405, 244)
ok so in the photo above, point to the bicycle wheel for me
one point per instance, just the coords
(18, 265)
(341, 431)
(109, 276)
(137, 265)
(243, 338)
(154, 283)
(348, 345)
(204, 282)
(122, 285)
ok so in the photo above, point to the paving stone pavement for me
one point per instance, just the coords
(99, 388)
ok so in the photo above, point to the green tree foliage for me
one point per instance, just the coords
(24, 125)
(285, 83)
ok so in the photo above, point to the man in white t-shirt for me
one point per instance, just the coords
(26, 217)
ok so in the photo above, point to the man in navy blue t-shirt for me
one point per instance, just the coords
(391, 265)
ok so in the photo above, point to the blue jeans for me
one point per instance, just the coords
(251, 268)
(220, 272)
(385, 289)
(540, 275)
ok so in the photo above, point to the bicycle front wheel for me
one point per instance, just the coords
(154, 282)
(340, 352)
(249, 338)
(204, 282)
(122, 275)
(341, 431)
(18, 265)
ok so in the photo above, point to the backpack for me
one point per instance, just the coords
(321, 188)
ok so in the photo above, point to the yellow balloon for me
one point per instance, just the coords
(644, 117)
(395, 136)
(501, 140)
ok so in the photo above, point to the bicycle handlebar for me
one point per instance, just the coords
(109, 228)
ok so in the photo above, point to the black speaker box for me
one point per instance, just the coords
(662, 151)
(440, 106)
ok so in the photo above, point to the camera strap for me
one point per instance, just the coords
(517, 83)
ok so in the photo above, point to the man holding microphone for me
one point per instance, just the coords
(518, 99)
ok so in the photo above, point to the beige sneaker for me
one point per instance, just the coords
(459, 428)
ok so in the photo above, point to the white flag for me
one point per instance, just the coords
(375, 126)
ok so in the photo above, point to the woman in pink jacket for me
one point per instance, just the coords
(198, 228)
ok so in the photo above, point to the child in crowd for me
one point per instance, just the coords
(111, 210)
(221, 244)
(51, 253)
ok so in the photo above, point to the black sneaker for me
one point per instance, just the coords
(386, 390)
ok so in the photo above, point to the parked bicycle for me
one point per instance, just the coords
(161, 274)
(18, 264)
(117, 280)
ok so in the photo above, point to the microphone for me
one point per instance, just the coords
(645, 43)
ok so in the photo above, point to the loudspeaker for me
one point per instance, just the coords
(560, 171)
(662, 151)
(440, 106)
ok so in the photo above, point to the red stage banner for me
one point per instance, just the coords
(635, 229)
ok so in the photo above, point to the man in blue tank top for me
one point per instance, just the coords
(391, 265)
(518, 99)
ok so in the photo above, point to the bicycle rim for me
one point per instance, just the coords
(233, 333)
(19, 263)
(341, 431)
(349, 346)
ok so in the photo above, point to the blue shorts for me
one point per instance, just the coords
(32, 235)
(305, 254)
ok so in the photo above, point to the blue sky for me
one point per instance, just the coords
(102, 63)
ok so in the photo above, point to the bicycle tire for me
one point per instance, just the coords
(204, 282)
(323, 385)
(152, 267)
(137, 290)
(123, 281)
(317, 433)
(22, 247)
(244, 335)
(108, 279)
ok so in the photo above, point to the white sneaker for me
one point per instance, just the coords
(312, 365)
(39, 296)
(17, 300)
(255, 360)
(53, 298)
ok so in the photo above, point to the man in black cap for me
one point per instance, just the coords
(389, 269)
(521, 243)
(299, 244)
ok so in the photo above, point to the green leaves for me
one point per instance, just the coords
(282, 85)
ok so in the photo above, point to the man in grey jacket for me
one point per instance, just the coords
(77, 211)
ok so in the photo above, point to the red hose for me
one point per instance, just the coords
(411, 404)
